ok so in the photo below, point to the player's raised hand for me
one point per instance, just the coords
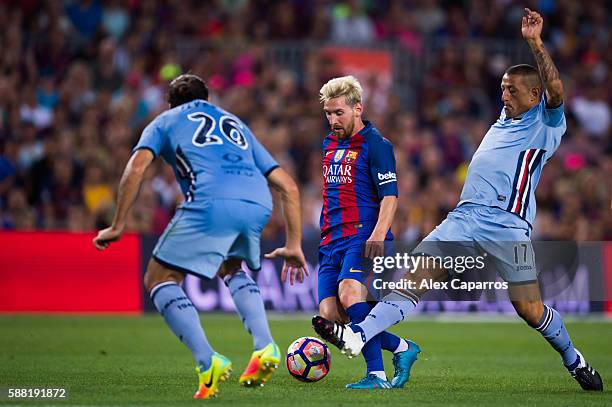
(531, 25)
(295, 263)
(105, 237)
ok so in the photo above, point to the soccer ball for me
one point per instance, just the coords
(308, 359)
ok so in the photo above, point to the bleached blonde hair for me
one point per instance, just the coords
(346, 86)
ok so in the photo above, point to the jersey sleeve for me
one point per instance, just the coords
(382, 166)
(553, 117)
(152, 138)
(263, 159)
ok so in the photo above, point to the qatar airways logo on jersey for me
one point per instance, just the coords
(338, 173)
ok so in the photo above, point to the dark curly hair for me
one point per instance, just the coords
(185, 88)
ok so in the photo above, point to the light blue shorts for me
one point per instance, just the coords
(197, 241)
(475, 230)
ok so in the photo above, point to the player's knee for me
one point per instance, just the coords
(149, 280)
(529, 311)
(350, 293)
(347, 299)
(157, 274)
(230, 267)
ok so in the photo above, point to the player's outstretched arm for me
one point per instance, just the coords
(531, 28)
(128, 191)
(295, 263)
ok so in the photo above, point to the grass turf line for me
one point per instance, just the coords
(138, 361)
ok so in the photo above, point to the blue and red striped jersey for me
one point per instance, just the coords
(358, 172)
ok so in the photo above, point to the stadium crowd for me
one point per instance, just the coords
(79, 80)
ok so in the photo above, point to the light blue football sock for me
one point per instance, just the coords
(553, 330)
(183, 319)
(392, 309)
(372, 350)
(391, 342)
(250, 307)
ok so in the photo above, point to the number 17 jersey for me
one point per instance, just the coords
(214, 155)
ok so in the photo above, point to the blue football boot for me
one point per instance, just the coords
(402, 362)
(371, 381)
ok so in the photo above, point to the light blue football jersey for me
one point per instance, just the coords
(506, 168)
(213, 153)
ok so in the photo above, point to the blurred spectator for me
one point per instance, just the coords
(8, 168)
(31, 149)
(85, 16)
(64, 190)
(429, 16)
(592, 111)
(115, 19)
(97, 193)
(33, 112)
(350, 23)
(167, 188)
(18, 214)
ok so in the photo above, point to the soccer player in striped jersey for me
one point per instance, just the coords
(214, 155)
(496, 211)
(359, 202)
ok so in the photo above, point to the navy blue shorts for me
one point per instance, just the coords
(339, 260)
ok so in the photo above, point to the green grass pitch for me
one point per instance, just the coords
(137, 361)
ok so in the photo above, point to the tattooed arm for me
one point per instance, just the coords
(531, 28)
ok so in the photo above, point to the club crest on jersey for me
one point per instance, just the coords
(339, 154)
(351, 156)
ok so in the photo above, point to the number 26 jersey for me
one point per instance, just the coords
(214, 155)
